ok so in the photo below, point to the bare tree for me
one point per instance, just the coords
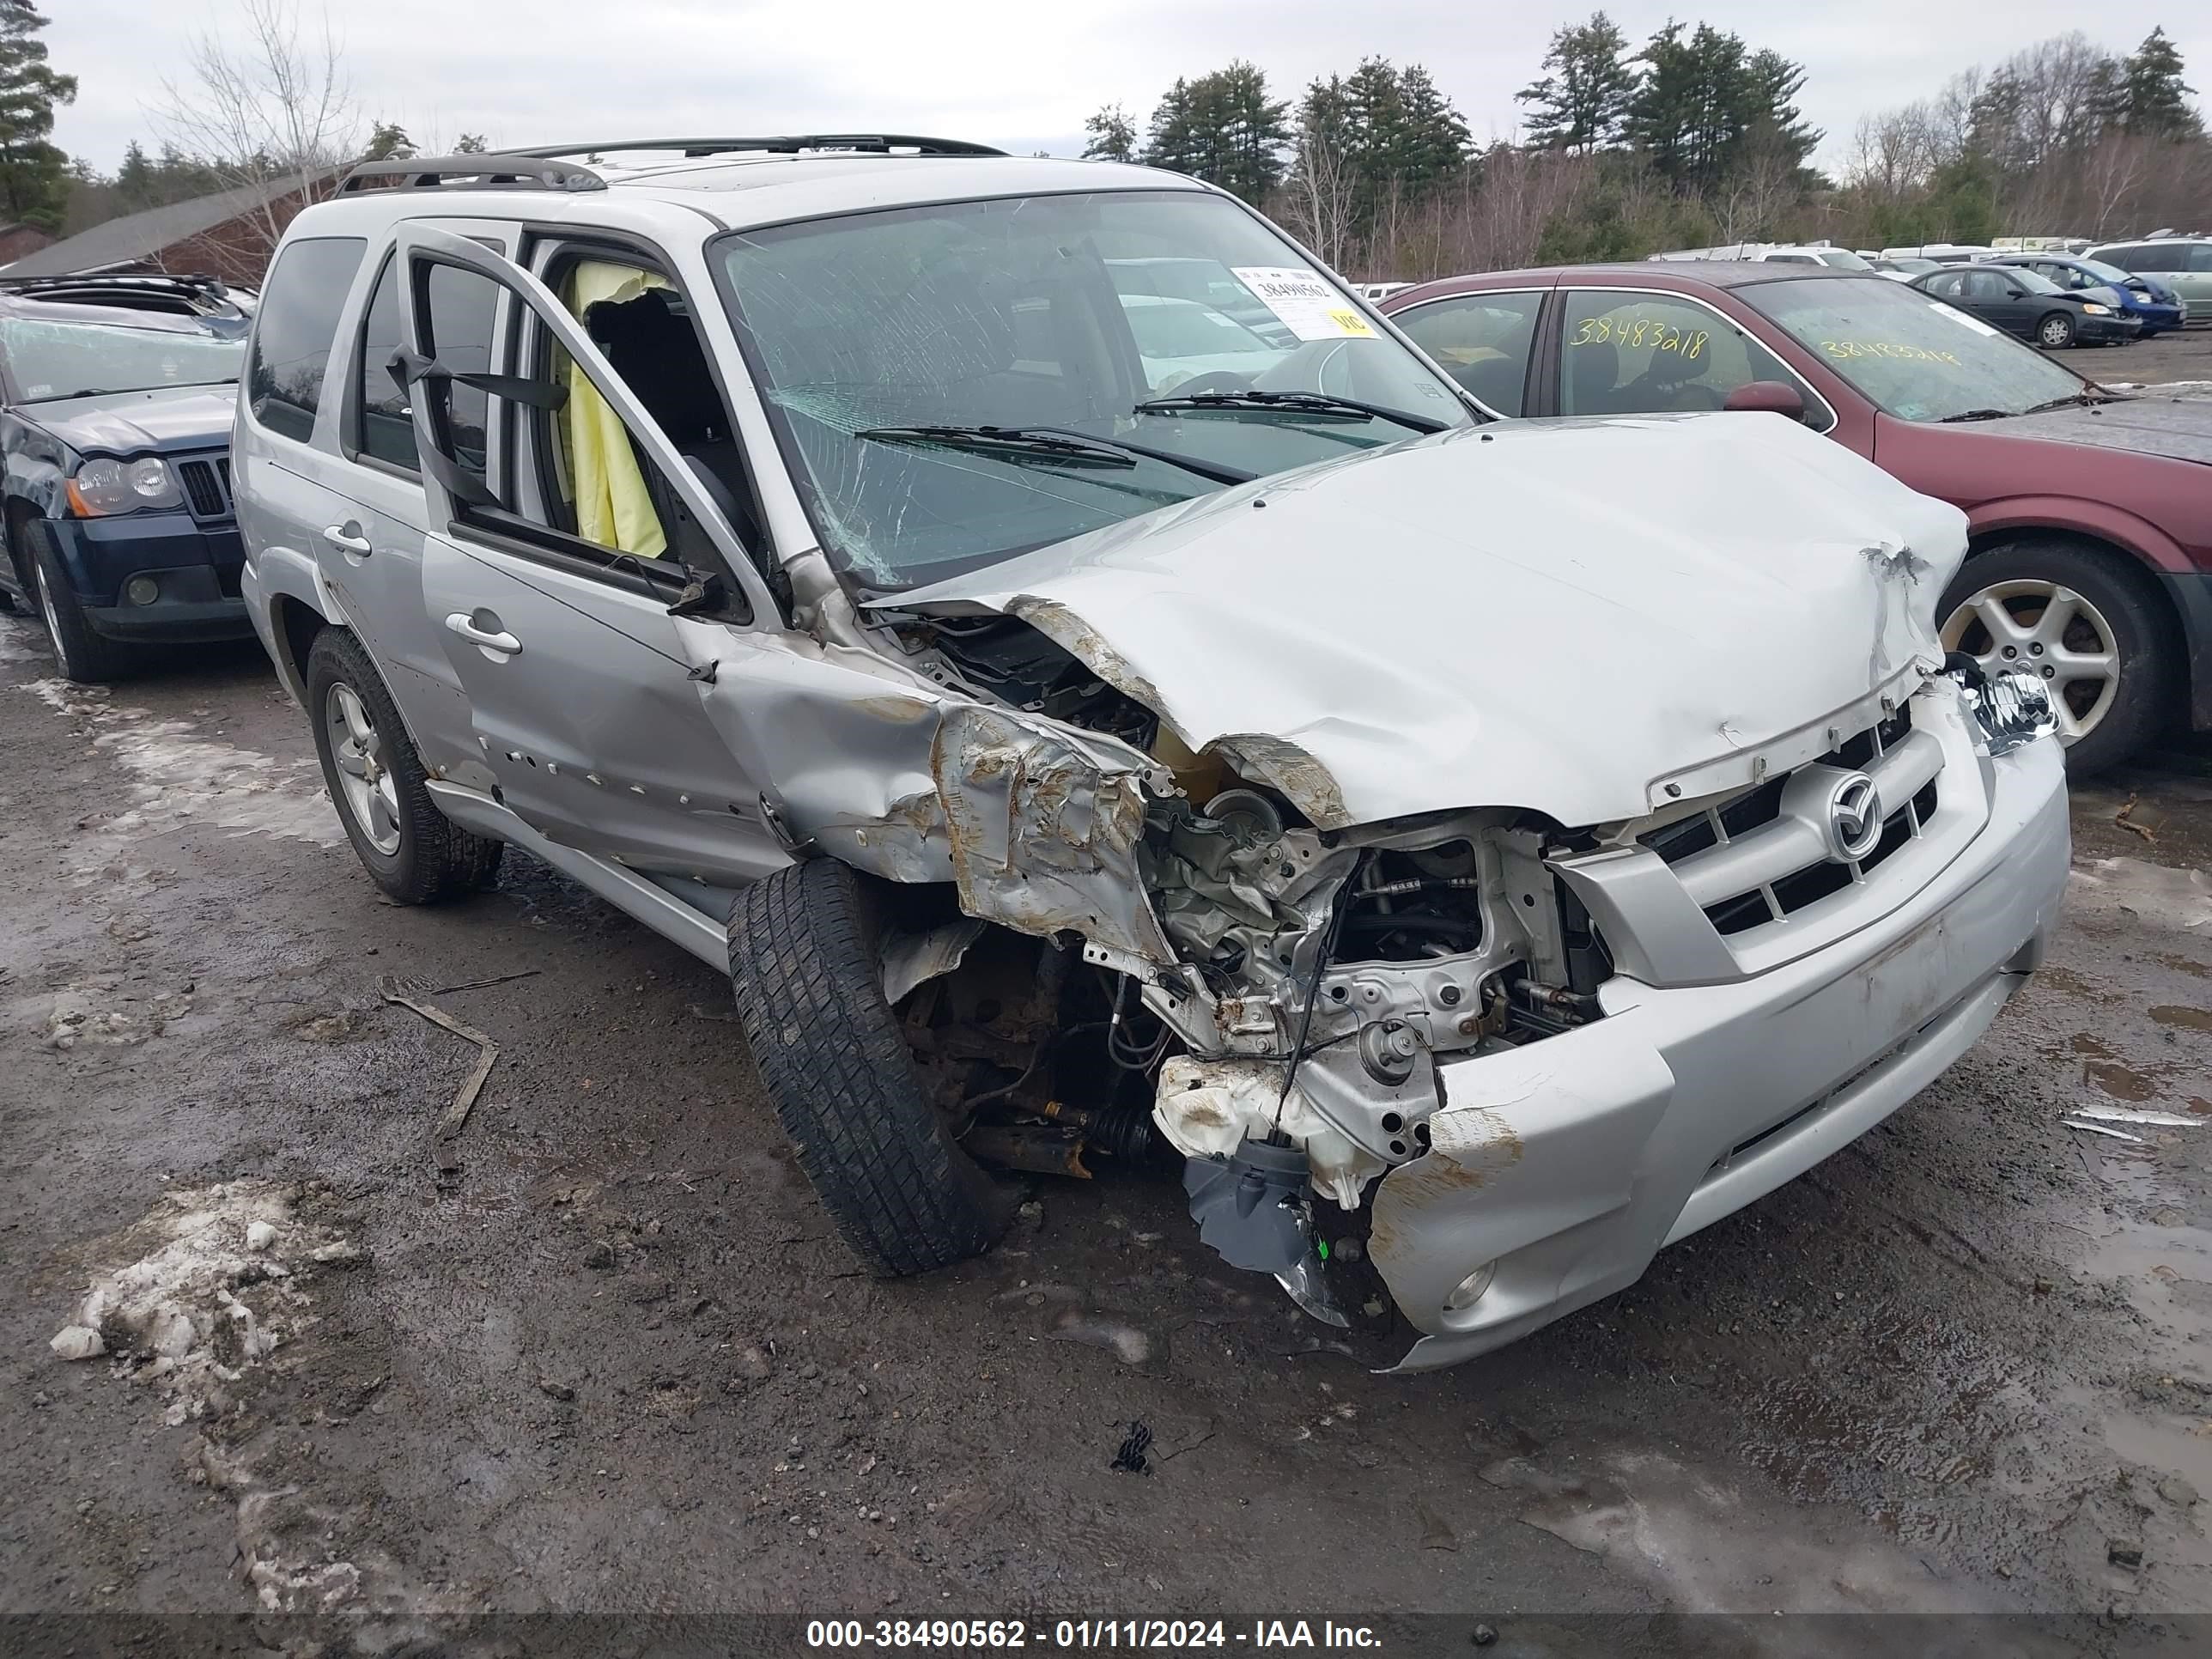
(266, 106)
(1321, 197)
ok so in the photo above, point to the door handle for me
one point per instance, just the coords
(504, 644)
(342, 536)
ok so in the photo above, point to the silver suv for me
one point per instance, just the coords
(1079, 718)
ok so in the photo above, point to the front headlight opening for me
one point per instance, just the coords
(104, 485)
(2011, 708)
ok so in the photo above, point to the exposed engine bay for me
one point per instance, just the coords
(1320, 973)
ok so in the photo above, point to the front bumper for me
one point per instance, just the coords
(2100, 330)
(1569, 1162)
(195, 567)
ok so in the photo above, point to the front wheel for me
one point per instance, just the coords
(804, 966)
(410, 848)
(84, 656)
(2055, 332)
(2085, 623)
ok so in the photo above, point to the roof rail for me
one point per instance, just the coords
(498, 170)
(880, 144)
(156, 280)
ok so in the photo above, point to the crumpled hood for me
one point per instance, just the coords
(120, 422)
(2150, 422)
(1551, 615)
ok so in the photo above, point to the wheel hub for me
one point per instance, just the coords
(2033, 625)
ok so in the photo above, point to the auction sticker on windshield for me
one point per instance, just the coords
(1962, 319)
(1307, 305)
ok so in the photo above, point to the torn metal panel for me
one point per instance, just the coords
(911, 959)
(1044, 825)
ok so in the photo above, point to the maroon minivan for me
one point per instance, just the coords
(2090, 509)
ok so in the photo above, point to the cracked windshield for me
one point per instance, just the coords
(957, 384)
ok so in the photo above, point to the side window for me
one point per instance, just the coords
(293, 329)
(461, 308)
(384, 427)
(1987, 285)
(1641, 354)
(2200, 256)
(2152, 256)
(1481, 340)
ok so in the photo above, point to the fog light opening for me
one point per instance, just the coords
(141, 590)
(1470, 1289)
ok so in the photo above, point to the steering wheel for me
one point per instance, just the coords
(1220, 380)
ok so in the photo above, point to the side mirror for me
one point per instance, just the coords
(2016, 294)
(1774, 397)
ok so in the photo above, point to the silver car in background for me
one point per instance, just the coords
(1513, 846)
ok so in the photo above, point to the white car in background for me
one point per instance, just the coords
(1792, 253)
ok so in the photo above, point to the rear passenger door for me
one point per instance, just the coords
(583, 685)
(371, 546)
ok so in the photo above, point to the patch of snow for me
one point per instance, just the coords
(199, 1289)
(91, 1013)
(21, 642)
(2159, 894)
(179, 777)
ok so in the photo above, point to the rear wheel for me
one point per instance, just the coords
(2055, 331)
(2084, 622)
(410, 848)
(804, 964)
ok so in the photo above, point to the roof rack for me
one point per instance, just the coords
(878, 143)
(500, 170)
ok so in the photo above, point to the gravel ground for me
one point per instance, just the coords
(600, 1352)
(2183, 355)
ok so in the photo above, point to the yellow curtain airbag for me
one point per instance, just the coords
(613, 507)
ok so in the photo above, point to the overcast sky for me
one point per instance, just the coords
(1020, 74)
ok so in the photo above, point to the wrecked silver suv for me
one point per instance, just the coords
(1093, 682)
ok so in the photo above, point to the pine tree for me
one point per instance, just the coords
(2149, 99)
(1222, 128)
(1436, 143)
(33, 172)
(1168, 142)
(1582, 101)
(1113, 136)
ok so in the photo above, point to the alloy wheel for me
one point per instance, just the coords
(52, 616)
(2055, 331)
(2045, 629)
(370, 793)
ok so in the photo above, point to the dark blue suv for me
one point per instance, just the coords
(117, 395)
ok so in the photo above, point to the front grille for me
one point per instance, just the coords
(207, 486)
(1762, 856)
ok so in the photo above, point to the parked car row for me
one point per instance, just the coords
(1094, 681)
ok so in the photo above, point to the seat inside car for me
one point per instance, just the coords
(653, 347)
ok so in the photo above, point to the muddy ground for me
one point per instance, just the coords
(612, 1358)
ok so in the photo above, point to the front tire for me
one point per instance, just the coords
(376, 780)
(2055, 332)
(84, 656)
(803, 963)
(2083, 619)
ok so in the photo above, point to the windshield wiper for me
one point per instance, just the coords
(1056, 444)
(1980, 415)
(1295, 403)
(2089, 399)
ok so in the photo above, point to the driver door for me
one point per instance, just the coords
(583, 666)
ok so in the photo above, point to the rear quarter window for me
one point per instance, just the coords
(295, 328)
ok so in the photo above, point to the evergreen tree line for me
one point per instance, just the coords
(1693, 136)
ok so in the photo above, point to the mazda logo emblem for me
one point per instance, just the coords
(1854, 818)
